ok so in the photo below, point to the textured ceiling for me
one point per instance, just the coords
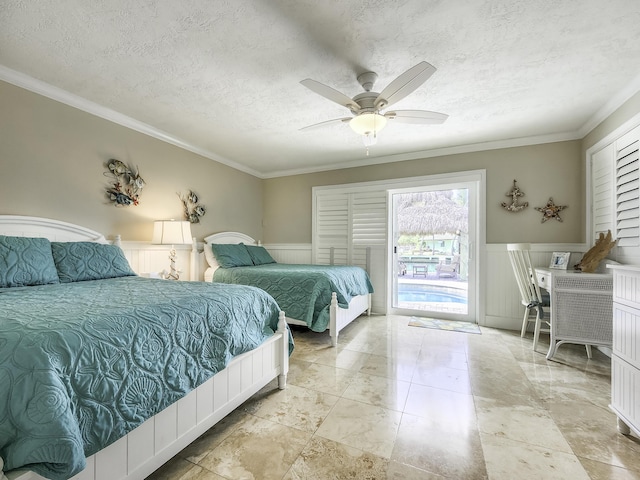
(222, 77)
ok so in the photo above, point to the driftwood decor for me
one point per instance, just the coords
(591, 260)
(127, 184)
(515, 193)
(192, 210)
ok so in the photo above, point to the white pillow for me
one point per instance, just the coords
(211, 258)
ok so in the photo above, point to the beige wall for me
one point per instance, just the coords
(542, 171)
(52, 165)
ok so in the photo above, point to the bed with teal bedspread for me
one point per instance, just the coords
(83, 363)
(303, 292)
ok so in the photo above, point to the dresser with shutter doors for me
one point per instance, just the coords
(625, 361)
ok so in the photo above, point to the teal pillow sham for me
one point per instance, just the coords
(259, 255)
(81, 261)
(231, 255)
(26, 261)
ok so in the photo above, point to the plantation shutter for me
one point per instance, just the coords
(331, 225)
(350, 226)
(627, 191)
(603, 211)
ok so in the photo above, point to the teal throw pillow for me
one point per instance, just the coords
(26, 261)
(80, 261)
(231, 255)
(259, 255)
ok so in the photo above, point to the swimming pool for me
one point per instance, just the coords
(430, 294)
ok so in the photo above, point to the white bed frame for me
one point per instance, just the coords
(156, 441)
(339, 317)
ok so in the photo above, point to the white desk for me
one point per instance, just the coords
(581, 307)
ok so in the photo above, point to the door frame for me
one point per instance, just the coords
(477, 250)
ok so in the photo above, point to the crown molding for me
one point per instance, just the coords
(611, 106)
(438, 152)
(37, 86)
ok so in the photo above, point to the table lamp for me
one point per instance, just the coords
(170, 232)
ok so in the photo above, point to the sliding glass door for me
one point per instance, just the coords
(434, 234)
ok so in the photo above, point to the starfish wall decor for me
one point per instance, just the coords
(551, 210)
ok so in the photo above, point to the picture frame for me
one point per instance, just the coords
(560, 260)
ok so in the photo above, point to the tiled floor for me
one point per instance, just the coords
(400, 402)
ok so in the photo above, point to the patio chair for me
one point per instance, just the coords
(449, 269)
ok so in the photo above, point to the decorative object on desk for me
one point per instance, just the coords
(192, 211)
(170, 232)
(591, 260)
(560, 260)
(127, 184)
(515, 193)
(551, 210)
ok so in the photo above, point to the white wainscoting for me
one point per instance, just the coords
(146, 258)
(296, 253)
(501, 297)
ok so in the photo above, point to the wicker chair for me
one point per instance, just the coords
(532, 297)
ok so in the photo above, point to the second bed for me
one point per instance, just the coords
(319, 297)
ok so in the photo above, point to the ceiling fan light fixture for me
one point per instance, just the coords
(368, 123)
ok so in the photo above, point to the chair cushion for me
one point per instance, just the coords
(546, 298)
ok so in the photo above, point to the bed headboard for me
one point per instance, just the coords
(54, 230)
(230, 237)
(222, 237)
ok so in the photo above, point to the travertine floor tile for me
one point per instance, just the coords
(592, 433)
(449, 452)
(395, 402)
(296, 407)
(362, 426)
(180, 469)
(520, 423)
(258, 449)
(396, 368)
(507, 458)
(345, 462)
(379, 391)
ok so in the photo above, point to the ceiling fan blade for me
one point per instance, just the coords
(327, 122)
(419, 117)
(330, 94)
(404, 84)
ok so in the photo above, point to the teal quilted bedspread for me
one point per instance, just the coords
(84, 363)
(302, 291)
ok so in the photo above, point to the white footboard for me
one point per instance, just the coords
(153, 443)
(341, 317)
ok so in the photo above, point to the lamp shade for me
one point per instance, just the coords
(170, 232)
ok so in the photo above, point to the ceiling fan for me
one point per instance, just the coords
(366, 108)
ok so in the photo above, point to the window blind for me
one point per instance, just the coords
(627, 188)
